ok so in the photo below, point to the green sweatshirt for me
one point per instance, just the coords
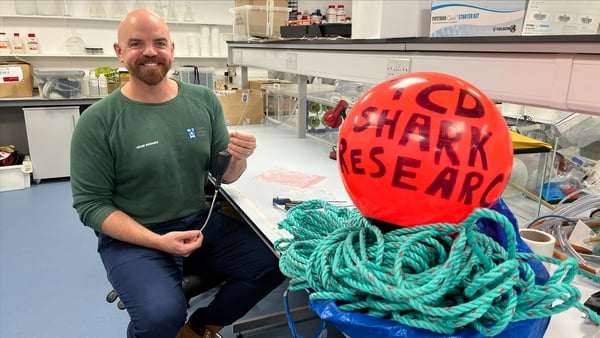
(148, 160)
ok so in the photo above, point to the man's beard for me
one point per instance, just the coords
(152, 76)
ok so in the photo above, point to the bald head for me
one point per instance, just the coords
(141, 19)
(145, 47)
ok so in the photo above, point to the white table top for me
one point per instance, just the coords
(282, 162)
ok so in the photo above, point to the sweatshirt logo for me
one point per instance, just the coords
(191, 133)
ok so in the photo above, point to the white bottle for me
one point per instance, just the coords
(331, 14)
(17, 44)
(85, 85)
(32, 44)
(340, 14)
(93, 85)
(102, 85)
(4, 44)
(27, 167)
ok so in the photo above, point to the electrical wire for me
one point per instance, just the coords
(212, 205)
(245, 95)
(566, 212)
(218, 183)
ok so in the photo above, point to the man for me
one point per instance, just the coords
(139, 163)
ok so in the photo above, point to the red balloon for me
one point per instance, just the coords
(424, 148)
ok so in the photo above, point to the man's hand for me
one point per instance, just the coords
(120, 226)
(181, 243)
(241, 145)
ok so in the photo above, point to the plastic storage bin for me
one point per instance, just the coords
(203, 76)
(55, 83)
(12, 177)
(257, 21)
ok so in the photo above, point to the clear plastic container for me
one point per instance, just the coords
(258, 21)
(58, 83)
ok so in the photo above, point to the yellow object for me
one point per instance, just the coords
(523, 142)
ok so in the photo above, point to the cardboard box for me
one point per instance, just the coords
(13, 177)
(270, 3)
(573, 17)
(477, 18)
(241, 107)
(258, 21)
(378, 19)
(258, 84)
(16, 79)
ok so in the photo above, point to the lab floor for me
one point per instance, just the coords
(53, 285)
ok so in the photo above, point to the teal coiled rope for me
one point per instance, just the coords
(438, 277)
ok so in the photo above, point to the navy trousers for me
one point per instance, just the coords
(149, 281)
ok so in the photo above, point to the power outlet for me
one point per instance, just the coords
(396, 67)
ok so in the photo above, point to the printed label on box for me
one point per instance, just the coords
(477, 18)
(11, 74)
(562, 17)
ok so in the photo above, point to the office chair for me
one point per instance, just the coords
(193, 285)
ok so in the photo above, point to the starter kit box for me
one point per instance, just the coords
(477, 18)
(552, 17)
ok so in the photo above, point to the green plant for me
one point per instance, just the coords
(110, 73)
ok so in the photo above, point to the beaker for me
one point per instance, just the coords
(171, 12)
(49, 8)
(188, 15)
(139, 4)
(158, 9)
(97, 9)
(118, 9)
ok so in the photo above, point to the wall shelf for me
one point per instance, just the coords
(99, 19)
(111, 56)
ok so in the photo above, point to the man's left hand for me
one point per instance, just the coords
(241, 145)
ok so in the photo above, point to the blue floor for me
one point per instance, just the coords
(53, 285)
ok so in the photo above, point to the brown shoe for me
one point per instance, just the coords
(187, 332)
(210, 331)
